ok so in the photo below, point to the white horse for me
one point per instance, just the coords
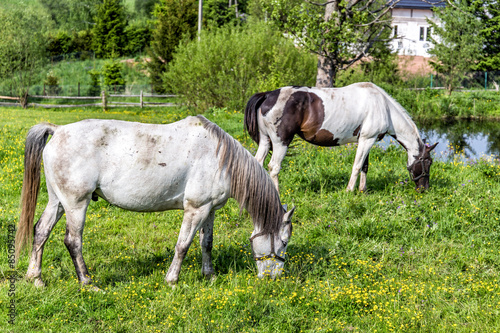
(191, 165)
(361, 112)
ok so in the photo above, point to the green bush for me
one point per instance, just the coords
(52, 84)
(95, 86)
(113, 76)
(138, 37)
(230, 64)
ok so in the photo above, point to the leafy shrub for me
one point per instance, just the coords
(112, 76)
(59, 43)
(138, 37)
(52, 84)
(95, 86)
(230, 64)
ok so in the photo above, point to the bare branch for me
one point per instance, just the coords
(321, 4)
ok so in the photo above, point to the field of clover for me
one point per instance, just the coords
(390, 259)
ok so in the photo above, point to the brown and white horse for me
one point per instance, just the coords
(362, 113)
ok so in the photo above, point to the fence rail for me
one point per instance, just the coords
(104, 98)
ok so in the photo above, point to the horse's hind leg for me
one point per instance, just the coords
(263, 150)
(206, 241)
(362, 152)
(362, 175)
(279, 152)
(75, 221)
(43, 227)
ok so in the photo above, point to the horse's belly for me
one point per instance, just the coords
(144, 192)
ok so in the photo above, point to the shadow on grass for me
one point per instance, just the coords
(302, 261)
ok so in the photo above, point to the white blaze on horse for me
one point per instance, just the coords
(362, 113)
(191, 165)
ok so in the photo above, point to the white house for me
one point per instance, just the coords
(410, 27)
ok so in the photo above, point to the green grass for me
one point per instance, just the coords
(387, 260)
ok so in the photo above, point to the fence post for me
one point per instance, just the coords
(78, 89)
(485, 80)
(103, 94)
(142, 103)
(431, 80)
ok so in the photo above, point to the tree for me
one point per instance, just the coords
(72, 15)
(109, 30)
(22, 47)
(215, 72)
(175, 20)
(112, 76)
(145, 7)
(218, 13)
(457, 42)
(488, 11)
(340, 32)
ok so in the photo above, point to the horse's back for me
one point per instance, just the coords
(133, 165)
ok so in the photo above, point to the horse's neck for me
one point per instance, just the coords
(408, 136)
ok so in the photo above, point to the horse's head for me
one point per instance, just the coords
(421, 167)
(269, 248)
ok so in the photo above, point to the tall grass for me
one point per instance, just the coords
(388, 260)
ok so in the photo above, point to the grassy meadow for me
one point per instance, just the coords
(389, 260)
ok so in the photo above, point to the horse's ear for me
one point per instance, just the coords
(287, 218)
(285, 207)
(432, 147)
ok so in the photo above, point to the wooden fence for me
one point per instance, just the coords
(104, 101)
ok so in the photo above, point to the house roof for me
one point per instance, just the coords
(420, 4)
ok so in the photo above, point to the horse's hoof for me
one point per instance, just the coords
(209, 275)
(92, 288)
(39, 283)
(171, 283)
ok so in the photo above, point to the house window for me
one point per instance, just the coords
(395, 31)
(429, 31)
(422, 34)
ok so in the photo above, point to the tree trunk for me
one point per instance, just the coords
(327, 70)
(325, 78)
(24, 100)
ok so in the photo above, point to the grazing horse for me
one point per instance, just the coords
(361, 112)
(191, 165)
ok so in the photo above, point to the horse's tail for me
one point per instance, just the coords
(251, 115)
(35, 143)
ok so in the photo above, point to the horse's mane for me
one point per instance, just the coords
(251, 186)
(398, 107)
(250, 119)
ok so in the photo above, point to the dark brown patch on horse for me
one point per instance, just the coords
(356, 131)
(292, 116)
(304, 114)
(270, 101)
(381, 136)
(324, 138)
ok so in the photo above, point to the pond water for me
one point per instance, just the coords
(459, 138)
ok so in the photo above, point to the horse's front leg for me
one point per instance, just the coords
(362, 152)
(206, 241)
(191, 223)
(263, 150)
(44, 226)
(279, 152)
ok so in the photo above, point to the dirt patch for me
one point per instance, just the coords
(418, 65)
